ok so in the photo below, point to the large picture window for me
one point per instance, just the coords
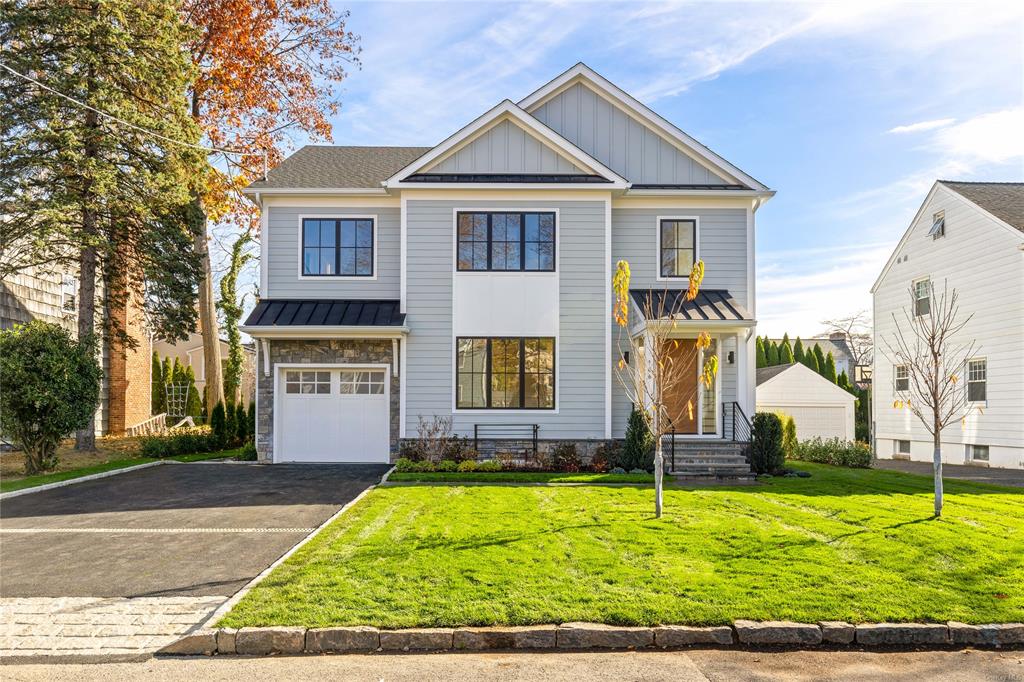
(505, 373)
(503, 242)
(678, 246)
(337, 247)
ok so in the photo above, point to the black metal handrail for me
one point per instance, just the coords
(741, 429)
(512, 432)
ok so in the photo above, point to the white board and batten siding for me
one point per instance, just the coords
(506, 148)
(818, 407)
(983, 260)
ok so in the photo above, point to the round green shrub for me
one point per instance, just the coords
(489, 465)
(467, 465)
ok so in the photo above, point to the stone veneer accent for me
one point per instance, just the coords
(317, 352)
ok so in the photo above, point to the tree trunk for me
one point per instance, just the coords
(214, 390)
(85, 439)
(937, 470)
(659, 467)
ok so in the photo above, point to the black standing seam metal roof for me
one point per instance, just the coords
(278, 312)
(710, 305)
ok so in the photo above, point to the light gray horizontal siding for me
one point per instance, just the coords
(583, 319)
(283, 256)
(631, 149)
(505, 148)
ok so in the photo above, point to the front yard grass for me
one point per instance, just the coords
(853, 545)
(516, 477)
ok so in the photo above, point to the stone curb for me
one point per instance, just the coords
(82, 479)
(365, 639)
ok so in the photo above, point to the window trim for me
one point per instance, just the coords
(938, 221)
(488, 376)
(895, 378)
(913, 286)
(967, 380)
(337, 216)
(657, 245)
(971, 459)
(896, 446)
(522, 239)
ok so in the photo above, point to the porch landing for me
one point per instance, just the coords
(705, 459)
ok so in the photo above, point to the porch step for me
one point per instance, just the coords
(708, 460)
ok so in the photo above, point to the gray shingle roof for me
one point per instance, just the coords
(1004, 200)
(766, 373)
(330, 167)
(716, 305)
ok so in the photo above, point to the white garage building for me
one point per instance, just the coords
(819, 407)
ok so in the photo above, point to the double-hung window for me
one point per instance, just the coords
(977, 380)
(922, 297)
(505, 373)
(338, 247)
(902, 378)
(501, 242)
(677, 249)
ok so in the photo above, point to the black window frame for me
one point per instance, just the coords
(522, 241)
(677, 249)
(338, 247)
(488, 373)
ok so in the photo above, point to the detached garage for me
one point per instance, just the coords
(819, 407)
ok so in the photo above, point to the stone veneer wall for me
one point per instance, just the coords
(585, 448)
(317, 352)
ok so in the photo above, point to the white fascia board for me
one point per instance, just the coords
(903, 240)
(506, 185)
(699, 325)
(764, 195)
(354, 191)
(325, 332)
(482, 123)
(624, 99)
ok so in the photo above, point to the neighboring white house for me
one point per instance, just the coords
(818, 406)
(969, 236)
(471, 281)
(189, 353)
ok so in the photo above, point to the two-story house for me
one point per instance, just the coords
(472, 280)
(967, 236)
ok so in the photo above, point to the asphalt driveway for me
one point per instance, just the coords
(173, 530)
(960, 472)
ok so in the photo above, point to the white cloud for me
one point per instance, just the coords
(922, 126)
(995, 137)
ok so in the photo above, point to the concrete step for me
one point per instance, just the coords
(691, 460)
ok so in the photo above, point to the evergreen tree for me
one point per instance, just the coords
(762, 360)
(819, 356)
(798, 350)
(230, 422)
(83, 192)
(638, 450)
(811, 360)
(158, 401)
(830, 368)
(785, 353)
(773, 354)
(166, 377)
(844, 383)
(194, 405)
(241, 423)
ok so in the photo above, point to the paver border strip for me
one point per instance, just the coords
(224, 608)
(599, 636)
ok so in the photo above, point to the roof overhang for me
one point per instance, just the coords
(325, 332)
(345, 191)
(583, 73)
(505, 110)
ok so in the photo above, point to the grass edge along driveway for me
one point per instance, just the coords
(853, 545)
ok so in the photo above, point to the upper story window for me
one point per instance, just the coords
(922, 297)
(938, 228)
(500, 242)
(505, 373)
(977, 380)
(338, 247)
(678, 246)
(902, 378)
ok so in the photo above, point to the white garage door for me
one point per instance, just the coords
(333, 415)
(818, 420)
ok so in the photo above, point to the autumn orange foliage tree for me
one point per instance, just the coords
(266, 71)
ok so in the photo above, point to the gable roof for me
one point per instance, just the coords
(765, 373)
(1004, 200)
(993, 195)
(334, 167)
(583, 73)
(507, 111)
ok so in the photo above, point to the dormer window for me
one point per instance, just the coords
(938, 228)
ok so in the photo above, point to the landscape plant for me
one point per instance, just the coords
(51, 386)
(218, 423)
(180, 441)
(242, 433)
(766, 454)
(833, 451)
(789, 438)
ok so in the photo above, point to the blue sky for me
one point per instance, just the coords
(849, 111)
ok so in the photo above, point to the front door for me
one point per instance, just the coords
(682, 399)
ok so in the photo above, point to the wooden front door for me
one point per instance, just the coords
(682, 399)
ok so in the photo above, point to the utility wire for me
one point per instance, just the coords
(136, 127)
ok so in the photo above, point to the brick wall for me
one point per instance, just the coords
(130, 370)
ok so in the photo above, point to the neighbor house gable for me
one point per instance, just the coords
(505, 141)
(624, 134)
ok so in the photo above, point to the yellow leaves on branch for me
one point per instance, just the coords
(703, 341)
(707, 375)
(689, 409)
(620, 285)
(696, 277)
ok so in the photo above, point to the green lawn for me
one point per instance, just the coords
(43, 479)
(854, 545)
(517, 477)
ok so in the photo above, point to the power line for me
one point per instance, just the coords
(136, 127)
